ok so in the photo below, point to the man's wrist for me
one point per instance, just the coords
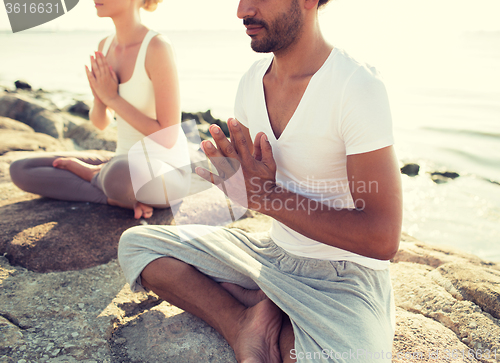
(266, 200)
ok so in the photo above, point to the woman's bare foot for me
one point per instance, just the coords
(140, 210)
(257, 340)
(247, 297)
(77, 167)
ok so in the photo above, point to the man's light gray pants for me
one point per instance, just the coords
(340, 311)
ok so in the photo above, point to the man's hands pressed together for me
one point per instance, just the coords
(378, 221)
(258, 170)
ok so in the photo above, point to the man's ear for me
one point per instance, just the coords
(311, 4)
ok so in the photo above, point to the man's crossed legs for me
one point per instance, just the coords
(269, 305)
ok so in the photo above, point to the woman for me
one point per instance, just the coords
(134, 76)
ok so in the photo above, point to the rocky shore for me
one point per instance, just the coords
(63, 297)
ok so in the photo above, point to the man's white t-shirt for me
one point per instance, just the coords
(344, 111)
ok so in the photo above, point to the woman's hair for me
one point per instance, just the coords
(151, 5)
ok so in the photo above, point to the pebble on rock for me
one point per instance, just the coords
(443, 177)
(80, 108)
(22, 85)
(410, 169)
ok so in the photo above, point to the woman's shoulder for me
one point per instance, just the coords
(100, 47)
(160, 43)
(101, 44)
(160, 51)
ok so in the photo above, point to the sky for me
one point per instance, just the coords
(387, 16)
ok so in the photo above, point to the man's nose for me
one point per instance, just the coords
(246, 9)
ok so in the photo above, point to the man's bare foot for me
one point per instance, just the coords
(257, 340)
(77, 167)
(140, 210)
(247, 297)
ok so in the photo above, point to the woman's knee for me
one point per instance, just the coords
(18, 170)
(165, 190)
(116, 182)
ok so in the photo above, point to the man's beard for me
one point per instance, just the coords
(281, 33)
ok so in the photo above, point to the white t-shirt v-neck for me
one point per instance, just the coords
(343, 111)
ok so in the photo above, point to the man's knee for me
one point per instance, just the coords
(134, 241)
(164, 269)
(129, 243)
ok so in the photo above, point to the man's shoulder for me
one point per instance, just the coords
(354, 70)
(258, 68)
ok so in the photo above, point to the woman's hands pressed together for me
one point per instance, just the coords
(103, 80)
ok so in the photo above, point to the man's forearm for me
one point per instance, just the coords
(361, 231)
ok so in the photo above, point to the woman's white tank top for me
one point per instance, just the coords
(139, 92)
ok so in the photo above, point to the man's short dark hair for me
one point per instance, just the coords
(322, 3)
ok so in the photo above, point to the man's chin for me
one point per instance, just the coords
(259, 47)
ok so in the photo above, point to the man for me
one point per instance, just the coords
(317, 286)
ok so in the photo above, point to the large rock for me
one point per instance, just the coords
(83, 235)
(14, 140)
(80, 108)
(24, 109)
(64, 316)
(421, 339)
(167, 334)
(481, 285)
(90, 137)
(413, 250)
(421, 289)
(10, 124)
